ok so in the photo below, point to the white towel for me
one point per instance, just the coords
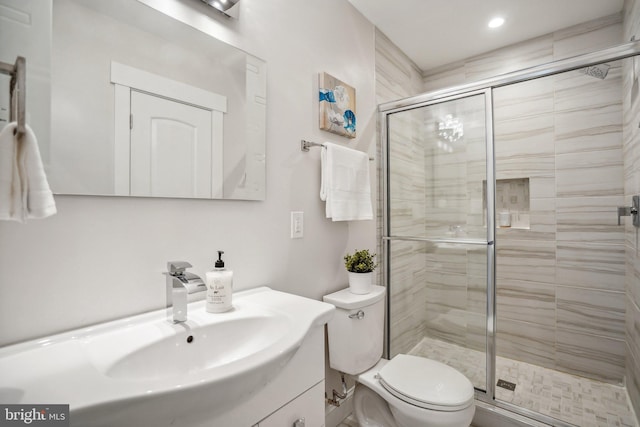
(24, 190)
(345, 183)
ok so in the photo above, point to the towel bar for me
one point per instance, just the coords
(306, 145)
(17, 92)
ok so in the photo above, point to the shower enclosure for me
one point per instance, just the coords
(502, 254)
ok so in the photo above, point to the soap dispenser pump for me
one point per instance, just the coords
(219, 287)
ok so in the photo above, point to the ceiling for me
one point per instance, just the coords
(438, 32)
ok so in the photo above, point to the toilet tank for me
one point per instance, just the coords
(356, 330)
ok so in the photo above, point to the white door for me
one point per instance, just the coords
(171, 148)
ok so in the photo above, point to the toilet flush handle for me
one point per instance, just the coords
(359, 315)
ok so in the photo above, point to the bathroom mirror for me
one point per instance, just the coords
(141, 104)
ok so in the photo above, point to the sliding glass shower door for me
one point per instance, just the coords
(547, 321)
(439, 232)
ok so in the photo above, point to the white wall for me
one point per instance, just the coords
(101, 258)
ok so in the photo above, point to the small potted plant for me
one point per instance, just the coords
(360, 266)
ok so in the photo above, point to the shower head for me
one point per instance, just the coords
(600, 71)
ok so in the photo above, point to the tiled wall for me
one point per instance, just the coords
(631, 150)
(398, 77)
(455, 297)
(561, 297)
(560, 283)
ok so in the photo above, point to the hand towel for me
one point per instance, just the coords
(24, 189)
(345, 183)
(10, 184)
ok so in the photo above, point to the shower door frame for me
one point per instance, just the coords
(485, 87)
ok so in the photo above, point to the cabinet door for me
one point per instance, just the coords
(308, 406)
(171, 148)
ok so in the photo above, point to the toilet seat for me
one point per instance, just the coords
(426, 383)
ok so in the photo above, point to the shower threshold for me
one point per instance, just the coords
(576, 400)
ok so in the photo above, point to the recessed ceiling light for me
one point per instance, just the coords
(496, 22)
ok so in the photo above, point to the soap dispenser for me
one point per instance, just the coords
(219, 287)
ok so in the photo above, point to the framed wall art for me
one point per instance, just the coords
(337, 106)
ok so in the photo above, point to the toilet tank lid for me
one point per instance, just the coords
(347, 300)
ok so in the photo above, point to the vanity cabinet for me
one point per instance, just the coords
(262, 362)
(296, 392)
(306, 410)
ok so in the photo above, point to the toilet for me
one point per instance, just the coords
(406, 391)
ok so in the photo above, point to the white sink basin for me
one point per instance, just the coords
(190, 350)
(113, 372)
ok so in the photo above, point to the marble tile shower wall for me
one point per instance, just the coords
(455, 297)
(570, 263)
(561, 295)
(407, 209)
(398, 77)
(631, 150)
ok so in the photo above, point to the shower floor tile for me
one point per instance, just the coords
(572, 399)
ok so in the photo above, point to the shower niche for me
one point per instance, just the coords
(512, 203)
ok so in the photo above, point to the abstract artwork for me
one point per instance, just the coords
(337, 106)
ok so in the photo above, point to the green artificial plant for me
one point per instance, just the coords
(360, 261)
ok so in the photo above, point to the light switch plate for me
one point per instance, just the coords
(297, 225)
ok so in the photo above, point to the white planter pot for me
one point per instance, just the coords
(360, 283)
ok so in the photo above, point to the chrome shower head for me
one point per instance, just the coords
(600, 71)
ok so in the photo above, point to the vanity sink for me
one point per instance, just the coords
(155, 370)
(191, 351)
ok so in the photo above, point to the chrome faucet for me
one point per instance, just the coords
(180, 284)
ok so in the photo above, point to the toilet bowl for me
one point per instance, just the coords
(406, 391)
(378, 404)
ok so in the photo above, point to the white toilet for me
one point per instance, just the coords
(406, 391)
